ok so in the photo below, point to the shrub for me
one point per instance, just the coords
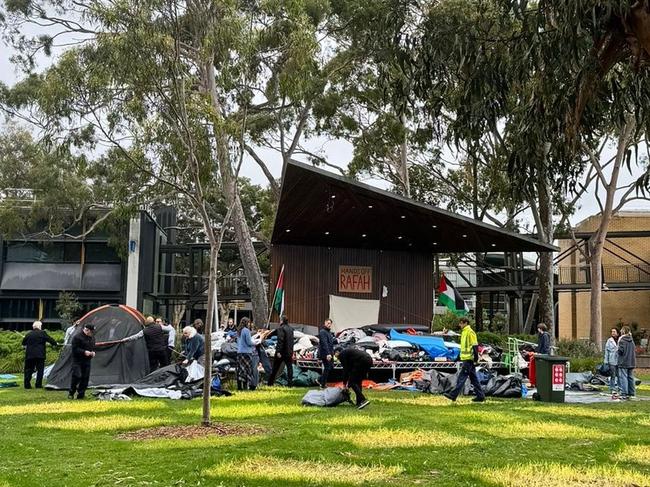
(577, 349)
(12, 353)
(584, 364)
(448, 321)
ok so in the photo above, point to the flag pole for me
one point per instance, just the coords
(275, 293)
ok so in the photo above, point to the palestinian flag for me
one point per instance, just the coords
(278, 296)
(449, 297)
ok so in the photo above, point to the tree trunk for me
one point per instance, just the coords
(239, 223)
(546, 305)
(404, 169)
(209, 320)
(595, 307)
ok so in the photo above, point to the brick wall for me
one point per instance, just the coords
(628, 306)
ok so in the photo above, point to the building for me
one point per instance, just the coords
(35, 270)
(353, 251)
(626, 275)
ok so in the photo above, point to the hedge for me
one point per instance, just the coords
(12, 353)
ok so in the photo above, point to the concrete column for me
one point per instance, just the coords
(133, 265)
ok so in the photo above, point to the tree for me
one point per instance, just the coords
(169, 87)
(67, 305)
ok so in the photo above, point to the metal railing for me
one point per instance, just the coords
(612, 273)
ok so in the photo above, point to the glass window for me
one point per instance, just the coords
(101, 253)
(35, 252)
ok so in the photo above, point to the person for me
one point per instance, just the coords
(170, 333)
(283, 352)
(198, 325)
(34, 343)
(611, 361)
(83, 350)
(245, 376)
(543, 340)
(230, 326)
(356, 365)
(468, 357)
(156, 340)
(70, 331)
(260, 355)
(194, 345)
(626, 363)
(326, 351)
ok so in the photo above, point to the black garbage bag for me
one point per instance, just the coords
(503, 386)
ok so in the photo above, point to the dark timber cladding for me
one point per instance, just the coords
(325, 221)
(311, 275)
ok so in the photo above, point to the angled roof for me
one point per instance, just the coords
(319, 208)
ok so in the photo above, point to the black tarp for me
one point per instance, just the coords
(117, 364)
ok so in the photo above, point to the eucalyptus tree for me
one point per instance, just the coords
(168, 87)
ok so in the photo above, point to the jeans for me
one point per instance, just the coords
(328, 365)
(613, 378)
(468, 370)
(626, 381)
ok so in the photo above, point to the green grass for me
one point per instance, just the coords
(400, 439)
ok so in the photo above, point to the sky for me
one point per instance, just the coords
(337, 152)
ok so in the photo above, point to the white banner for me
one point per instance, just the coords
(353, 313)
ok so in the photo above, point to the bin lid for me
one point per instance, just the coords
(551, 358)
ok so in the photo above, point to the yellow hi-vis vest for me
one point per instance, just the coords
(467, 342)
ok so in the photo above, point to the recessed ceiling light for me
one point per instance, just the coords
(333, 196)
(464, 235)
(363, 234)
(434, 226)
(327, 233)
(494, 245)
(370, 206)
(435, 243)
(410, 245)
(403, 216)
(287, 230)
(399, 238)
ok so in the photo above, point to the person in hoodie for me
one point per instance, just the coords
(611, 359)
(626, 363)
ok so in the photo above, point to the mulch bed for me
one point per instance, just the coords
(188, 432)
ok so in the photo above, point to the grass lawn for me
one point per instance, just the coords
(400, 439)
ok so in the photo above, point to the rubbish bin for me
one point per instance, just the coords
(550, 371)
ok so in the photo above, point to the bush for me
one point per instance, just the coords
(577, 349)
(448, 321)
(487, 337)
(12, 353)
(584, 364)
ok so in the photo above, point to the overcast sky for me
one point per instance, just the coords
(338, 152)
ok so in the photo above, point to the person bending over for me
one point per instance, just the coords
(356, 365)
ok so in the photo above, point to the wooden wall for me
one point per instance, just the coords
(311, 275)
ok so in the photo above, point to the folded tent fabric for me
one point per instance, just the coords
(433, 346)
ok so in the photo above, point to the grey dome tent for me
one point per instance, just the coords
(114, 363)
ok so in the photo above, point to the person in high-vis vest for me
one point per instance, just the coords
(468, 357)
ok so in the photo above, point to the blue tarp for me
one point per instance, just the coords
(433, 346)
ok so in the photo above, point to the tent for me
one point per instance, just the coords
(113, 364)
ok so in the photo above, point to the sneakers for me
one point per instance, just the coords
(449, 396)
(478, 399)
(363, 404)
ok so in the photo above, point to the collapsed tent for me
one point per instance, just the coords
(114, 363)
(433, 346)
(330, 397)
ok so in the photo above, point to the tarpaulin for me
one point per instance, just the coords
(330, 397)
(353, 313)
(433, 346)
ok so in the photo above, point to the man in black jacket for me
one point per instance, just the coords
(283, 352)
(626, 363)
(34, 343)
(83, 350)
(326, 351)
(156, 340)
(356, 365)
